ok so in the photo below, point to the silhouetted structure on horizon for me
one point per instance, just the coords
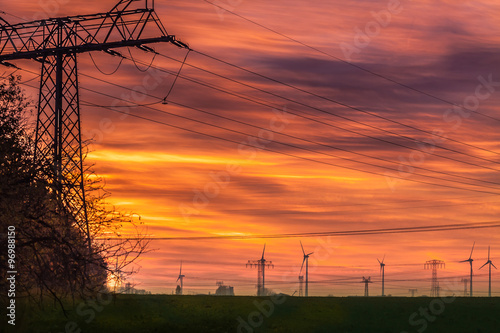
(366, 282)
(470, 260)
(261, 264)
(490, 264)
(224, 290)
(434, 265)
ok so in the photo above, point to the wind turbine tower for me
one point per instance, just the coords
(306, 260)
(470, 260)
(181, 278)
(382, 271)
(366, 281)
(261, 264)
(490, 264)
(434, 265)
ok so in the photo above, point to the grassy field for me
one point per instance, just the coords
(166, 313)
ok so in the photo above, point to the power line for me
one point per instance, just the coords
(135, 63)
(350, 168)
(352, 108)
(353, 64)
(421, 230)
(253, 100)
(431, 228)
(176, 76)
(330, 146)
(100, 70)
(343, 104)
(344, 158)
(3, 12)
(279, 142)
(187, 78)
(291, 155)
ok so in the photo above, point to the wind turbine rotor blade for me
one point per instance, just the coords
(304, 252)
(263, 251)
(472, 250)
(484, 265)
(309, 254)
(464, 260)
(379, 261)
(493, 265)
(303, 261)
(488, 253)
(383, 259)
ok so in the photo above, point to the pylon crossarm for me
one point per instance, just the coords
(82, 33)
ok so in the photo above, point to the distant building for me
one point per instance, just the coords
(130, 289)
(224, 290)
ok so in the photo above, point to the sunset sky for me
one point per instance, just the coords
(354, 132)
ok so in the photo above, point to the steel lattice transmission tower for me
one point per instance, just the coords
(261, 264)
(366, 282)
(55, 43)
(434, 265)
(465, 281)
(301, 285)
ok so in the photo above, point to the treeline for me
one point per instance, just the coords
(52, 256)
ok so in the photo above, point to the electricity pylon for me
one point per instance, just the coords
(366, 281)
(434, 265)
(465, 281)
(55, 43)
(261, 264)
(301, 285)
(118, 275)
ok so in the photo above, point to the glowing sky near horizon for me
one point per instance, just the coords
(168, 175)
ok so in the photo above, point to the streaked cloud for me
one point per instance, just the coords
(311, 185)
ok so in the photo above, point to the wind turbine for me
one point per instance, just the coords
(470, 260)
(382, 271)
(306, 260)
(181, 277)
(263, 272)
(491, 264)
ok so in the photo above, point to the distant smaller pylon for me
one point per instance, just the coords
(366, 281)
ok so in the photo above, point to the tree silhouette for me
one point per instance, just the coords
(52, 256)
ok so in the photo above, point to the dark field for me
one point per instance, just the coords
(165, 313)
